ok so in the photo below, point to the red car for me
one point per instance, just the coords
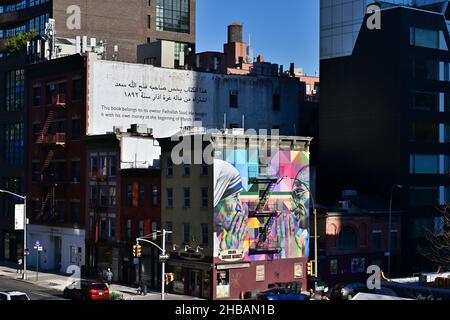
(87, 290)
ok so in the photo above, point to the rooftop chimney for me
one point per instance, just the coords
(235, 33)
(260, 58)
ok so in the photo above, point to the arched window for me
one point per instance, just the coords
(348, 238)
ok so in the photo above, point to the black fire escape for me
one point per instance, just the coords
(50, 142)
(266, 182)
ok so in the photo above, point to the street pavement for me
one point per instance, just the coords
(49, 286)
(33, 291)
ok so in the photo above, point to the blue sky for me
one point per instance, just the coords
(284, 33)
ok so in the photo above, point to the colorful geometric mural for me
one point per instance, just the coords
(261, 211)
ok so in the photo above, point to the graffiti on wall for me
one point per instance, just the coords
(261, 211)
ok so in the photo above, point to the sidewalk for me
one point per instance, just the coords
(59, 282)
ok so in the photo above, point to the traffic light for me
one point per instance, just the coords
(137, 250)
(310, 269)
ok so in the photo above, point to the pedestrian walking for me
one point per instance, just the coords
(19, 266)
(109, 276)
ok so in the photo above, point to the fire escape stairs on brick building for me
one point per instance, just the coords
(46, 127)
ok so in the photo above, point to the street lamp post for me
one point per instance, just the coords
(163, 257)
(390, 228)
(24, 198)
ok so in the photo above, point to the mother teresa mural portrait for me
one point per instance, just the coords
(237, 231)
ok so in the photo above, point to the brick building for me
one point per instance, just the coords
(354, 235)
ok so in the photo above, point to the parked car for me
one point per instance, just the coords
(347, 291)
(87, 290)
(281, 294)
(13, 295)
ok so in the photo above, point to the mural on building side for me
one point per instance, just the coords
(261, 211)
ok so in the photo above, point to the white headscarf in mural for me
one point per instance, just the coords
(227, 181)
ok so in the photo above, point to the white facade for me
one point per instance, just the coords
(165, 100)
(341, 21)
(62, 248)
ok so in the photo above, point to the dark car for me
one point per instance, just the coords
(87, 290)
(347, 291)
(281, 294)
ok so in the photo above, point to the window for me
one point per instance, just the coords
(112, 166)
(112, 196)
(426, 69)
(169, 198)
(433, 39)
(141, 228)
(61, 93)
(37, 128)
(103, 195)
(103, 228)
(111, 228)
(94, 165)
(61, 210)
(205, 169)
(358, 265)
(103, 165)
(205, 235)
(186, 233)
(37, 96)
(169, 168)
(141, 196)
(128, 228)
(186, 170)
(73, 255)
(35, 171)
(169, 227)
(347, 238)
(76, 129)
(15, 90)
(424, 164)
(129, 195)
(13, 143)
(276, 103)
(187, 198)
(425, 101)
(376, 240)
(394, 239)
(76, 171)
(334, 267)
(75, 212)
(233, 99)
(173, 15)
(77, 89)
(424, 132)
(154, 196)
(149, 22)
(204, 200)
(424, 196)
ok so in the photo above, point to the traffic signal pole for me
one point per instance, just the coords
(163, 257)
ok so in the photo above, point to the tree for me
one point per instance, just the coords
(439, 252)
(19, 41)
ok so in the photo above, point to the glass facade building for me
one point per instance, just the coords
(341, 21)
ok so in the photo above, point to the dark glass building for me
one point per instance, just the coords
(384, 120)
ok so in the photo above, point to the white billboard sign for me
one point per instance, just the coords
(164, 100)
(19, 213)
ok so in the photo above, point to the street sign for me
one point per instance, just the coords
(37, 243)
(19, 212)
(164, 257)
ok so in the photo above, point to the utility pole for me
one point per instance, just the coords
(390, 229)
(163, 257)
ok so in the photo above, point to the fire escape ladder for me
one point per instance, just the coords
(48, 160)
(46, 127)
(44, 204)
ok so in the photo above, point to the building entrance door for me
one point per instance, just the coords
(57, 244)
(195, 283)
